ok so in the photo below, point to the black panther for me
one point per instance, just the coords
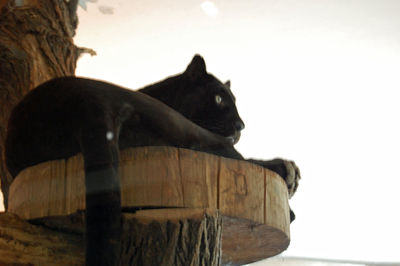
(68, 115)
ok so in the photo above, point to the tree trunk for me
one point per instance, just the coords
(35, 45)
(172, 237)
(151, 237)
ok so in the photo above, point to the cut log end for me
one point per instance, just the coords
(253, 201)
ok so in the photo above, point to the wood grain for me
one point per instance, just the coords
(241, 191)
(253, 201)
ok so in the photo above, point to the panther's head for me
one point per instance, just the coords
(208, 102)
(201, 98)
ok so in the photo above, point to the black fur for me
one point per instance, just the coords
(54, 118)
(196, 100)
(68, 115)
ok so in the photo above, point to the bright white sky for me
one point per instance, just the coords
(315, 81)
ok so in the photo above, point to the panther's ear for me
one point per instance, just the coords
(228, 84)
(197, 68)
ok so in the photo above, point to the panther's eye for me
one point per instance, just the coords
(218, 99)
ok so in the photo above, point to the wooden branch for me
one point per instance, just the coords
(252, 200)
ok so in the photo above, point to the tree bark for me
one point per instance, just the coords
(151, 237)
(22, 243)
(35, 45)
(172, 237)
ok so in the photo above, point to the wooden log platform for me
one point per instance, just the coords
(172, 184)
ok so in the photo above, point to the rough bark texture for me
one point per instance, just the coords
(186, 237)
(35, 45)
(22, 243)
(191, 241)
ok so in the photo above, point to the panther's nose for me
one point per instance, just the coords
(239, 125)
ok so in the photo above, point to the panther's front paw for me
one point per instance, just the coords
(288, 170)
(292, 176)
